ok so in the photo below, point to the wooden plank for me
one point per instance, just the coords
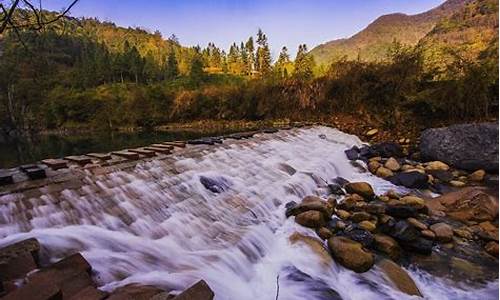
(79, 159)
(101, 156)
(55, 164)
(126, 154)
(147, 153)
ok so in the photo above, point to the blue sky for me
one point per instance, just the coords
(289, 22)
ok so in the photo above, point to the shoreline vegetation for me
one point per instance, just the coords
(85, 73)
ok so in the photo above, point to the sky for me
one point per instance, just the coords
(286, 22)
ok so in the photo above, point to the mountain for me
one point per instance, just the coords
(371, 43)
(471, 31)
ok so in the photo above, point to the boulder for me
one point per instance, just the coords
(444, 176)
(18, 259)
(383, 172)
(457, 183)
(353, 153)
(477, 176)
(360, 216)
(468, 204)
(358, 234)
(398, 277)
(436, 166)
(336, 189)
(417, 224)
(428, 234)
(90, 293)
(368, 226)
(413, 180)
(315, 245)
(363, 189)
(419, 245)
(387, 149)
(413, 201)
(404, 231)
(392, 164)
(312, 219)
(312, 203)
(350, 254)
(466, 146)
(443, 231)
(387, 245)
(401, 211)
(344, 215)
(324, 233)
(373, 166)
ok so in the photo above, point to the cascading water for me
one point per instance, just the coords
(158, 224)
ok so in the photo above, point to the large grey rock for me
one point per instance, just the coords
(465, 146)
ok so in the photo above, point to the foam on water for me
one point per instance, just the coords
(158, 224)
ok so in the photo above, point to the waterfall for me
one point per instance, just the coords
(156, 222)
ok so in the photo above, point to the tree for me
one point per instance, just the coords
(263, 59)
(171, 66)
(196, 68)
(304, 64)
(282, 63)
(249, 49)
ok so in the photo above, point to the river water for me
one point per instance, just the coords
(157, 224)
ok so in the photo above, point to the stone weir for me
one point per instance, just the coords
(26, 274)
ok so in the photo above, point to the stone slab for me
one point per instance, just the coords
(79, 159)
(55, 164)
(126, 154)
(158, 150)
(147, 153)
(101, 156)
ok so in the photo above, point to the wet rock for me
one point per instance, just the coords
(360, 216)
(340, 181)
(419, 225)
(467, 146)
(215, 185)
(413, 201)
(312, 203)
(463, 232)
(324, 233)
(35, 291)
(398, 277)
(289, 206)
(311, 219)
(428, 234)
(413, 179)
(358, 234)
(373, 166)
(317, 289)
(350, 254)
(315, 245)
(404, 231)
(442, 175)
(336, 189)
(401, 211)
(419, 245)
(383, 172)
(436, 165)
(443, 231)
(136, 292)
(344, 215)
(468, 204)
(371, 132)
(353, 153)
(492, 248)
(368, 226)
(198, 291)
(387, 245)
(375, 208)
(477, 176)
(392, 164)
(361, 188)
(90, 293)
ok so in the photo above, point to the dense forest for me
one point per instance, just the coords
(84, 73)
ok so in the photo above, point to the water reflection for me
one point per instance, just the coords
(35, 148)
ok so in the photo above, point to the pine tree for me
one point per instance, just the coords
(171, 67)
(196, 69)
(304, 64)
(282, 63)
(263, 59)
(250, 50)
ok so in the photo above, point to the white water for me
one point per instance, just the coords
(157, 224)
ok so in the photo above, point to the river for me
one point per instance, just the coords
(157, 224)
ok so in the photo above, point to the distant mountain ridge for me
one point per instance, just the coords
(372, 43)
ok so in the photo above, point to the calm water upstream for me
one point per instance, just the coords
(17, 152)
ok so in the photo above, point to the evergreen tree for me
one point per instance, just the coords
(282, 63)
(196, 69)
(171, 67)
(250, 50)
(263, 59)
(304, 64)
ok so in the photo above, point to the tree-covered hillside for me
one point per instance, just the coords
(372, 43)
